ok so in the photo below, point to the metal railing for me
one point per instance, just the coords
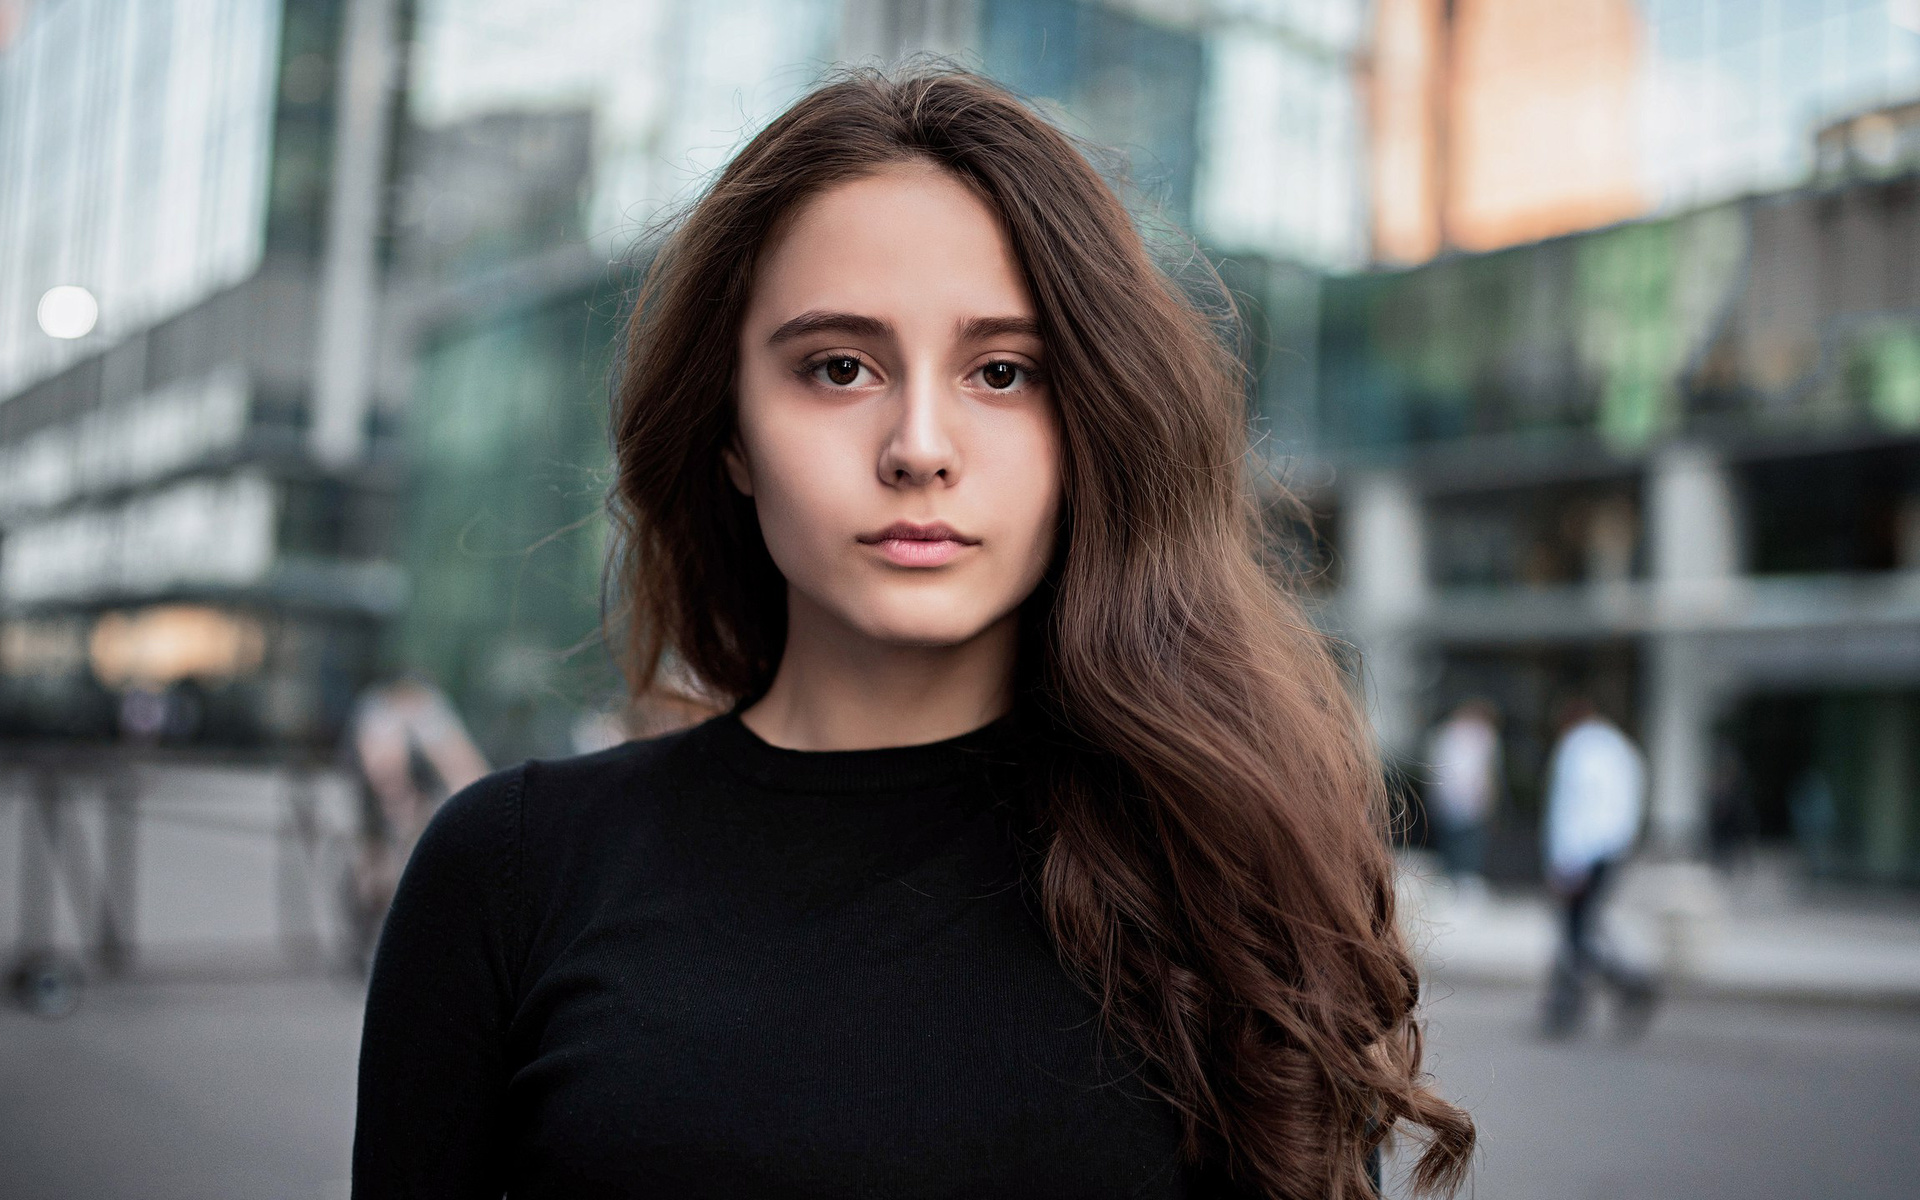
(82, 811)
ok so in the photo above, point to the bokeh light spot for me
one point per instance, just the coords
(68, 311)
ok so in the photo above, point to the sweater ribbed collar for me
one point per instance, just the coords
(889, 769)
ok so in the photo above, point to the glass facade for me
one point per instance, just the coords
(1584, 335)
(134, 145)
(1736, 88)
(1770, 315)
(303, 128)
(668, 88)
(1280, 141)
(1121, 82)
(504, 531)
(1238, 123)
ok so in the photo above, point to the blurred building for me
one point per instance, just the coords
(506, 319)
(1500, 121)
(1674, 462)
(194, 496)
(1496, 122)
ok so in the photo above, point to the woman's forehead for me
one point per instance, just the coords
(908, 244)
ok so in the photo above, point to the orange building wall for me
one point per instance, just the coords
(1531, 125)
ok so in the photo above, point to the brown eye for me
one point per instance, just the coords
(841, 371)
(1000, 375)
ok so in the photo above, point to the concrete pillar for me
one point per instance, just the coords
(350, 265)
(1694, 543)
(1693, 528)
(1386, 597)
(1679, 704)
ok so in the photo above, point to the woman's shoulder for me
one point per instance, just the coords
(628, 770)
(530, 845)
(549, 800)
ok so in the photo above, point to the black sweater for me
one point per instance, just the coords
(705, 966)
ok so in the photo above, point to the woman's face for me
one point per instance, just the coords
(895, 428)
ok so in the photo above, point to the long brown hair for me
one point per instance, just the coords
(1213, 862)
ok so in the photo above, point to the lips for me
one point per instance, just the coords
(907, 544)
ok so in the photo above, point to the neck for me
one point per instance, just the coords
(837, 689)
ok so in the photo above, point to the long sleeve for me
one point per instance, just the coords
(433, 1078)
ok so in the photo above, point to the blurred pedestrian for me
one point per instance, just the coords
(410, 751)
(1596, 800)
(1463, 761)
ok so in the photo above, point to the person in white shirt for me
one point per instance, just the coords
(1596, 800)
(1463, 764)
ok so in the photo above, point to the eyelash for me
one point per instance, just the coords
(809, 371)
(1029, 376)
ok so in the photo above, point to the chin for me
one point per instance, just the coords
(924, 622)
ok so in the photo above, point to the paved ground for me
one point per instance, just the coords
(182, 1091)
(204, 1091)
(1721, 1100)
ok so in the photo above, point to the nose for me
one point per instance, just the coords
(919, 450)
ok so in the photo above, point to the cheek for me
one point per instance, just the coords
(1024, 473)
(805, 476)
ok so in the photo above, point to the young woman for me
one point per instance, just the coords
(1038, 851)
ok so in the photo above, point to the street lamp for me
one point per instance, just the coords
(68, 312)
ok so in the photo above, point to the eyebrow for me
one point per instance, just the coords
(981, 328)
(856, 325)
(830, 322)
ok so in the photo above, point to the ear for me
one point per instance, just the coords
(736, 461)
